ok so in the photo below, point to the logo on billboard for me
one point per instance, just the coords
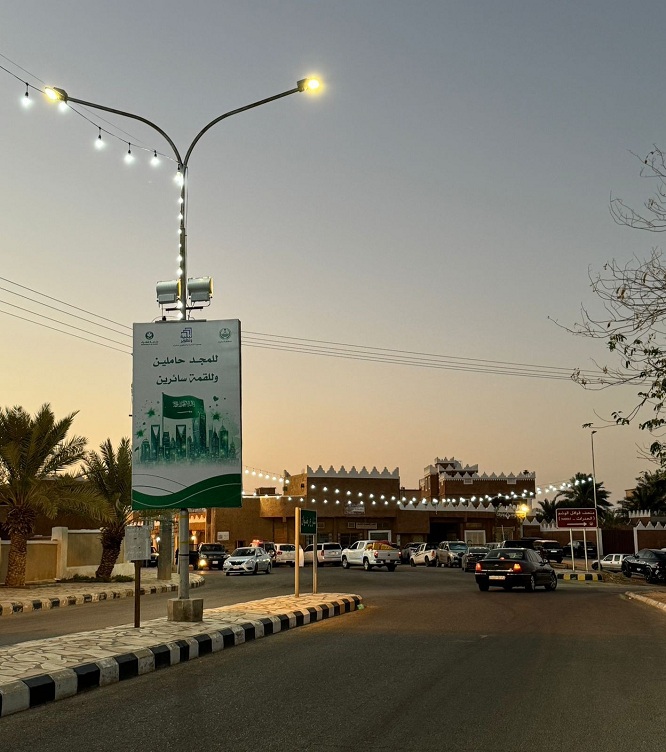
(186, 334)
(149, 335)
(225, 334)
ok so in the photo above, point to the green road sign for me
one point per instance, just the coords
(308, 522)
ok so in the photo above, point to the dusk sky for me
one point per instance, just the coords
(445, 192)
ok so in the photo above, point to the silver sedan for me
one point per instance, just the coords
(249, 560)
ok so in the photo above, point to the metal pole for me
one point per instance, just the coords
(183, 554)
(585, 547)
(573, 558)
(137, 594)
(315, 554)
(165, 560)
(600, 543)
(297, 562)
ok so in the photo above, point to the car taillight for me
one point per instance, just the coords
(376, 554)
(517, 568)
(477, 568)
(278, 553)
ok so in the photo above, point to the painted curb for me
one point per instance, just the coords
(646, 600)
(23, 694)
(9, 608)
(582, 577)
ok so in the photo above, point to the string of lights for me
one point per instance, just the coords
(112, 131)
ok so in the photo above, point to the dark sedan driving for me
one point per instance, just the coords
(514, 567)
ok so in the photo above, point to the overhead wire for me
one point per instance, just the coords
(299, 345)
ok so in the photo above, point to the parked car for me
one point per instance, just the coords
(579, 550)
(610, 562)
(154, 558)
(210, 556)
(471, 556)
(425, 555)
(449, 553)
(406, 553)
(285, 553)
(268, 546)
(248, 560)
(327, 553)
(370, 554)
(650, 562)
(514, 567)
(550, 549)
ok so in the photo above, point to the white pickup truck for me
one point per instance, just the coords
(370, 554)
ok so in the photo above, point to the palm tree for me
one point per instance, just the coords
(615, 518)
(649, 494)
(110, 474)
(34, 453)
(579, 493)
(547, 511)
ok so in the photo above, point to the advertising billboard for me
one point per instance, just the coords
(186, 415)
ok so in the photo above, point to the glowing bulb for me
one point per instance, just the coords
(313, 84)
(25, 100)
(51, 94)
(63, 107)
(129, 157)
(180, 272)
(178, 178)
(99, 144)
(155, 160)
(179, 315)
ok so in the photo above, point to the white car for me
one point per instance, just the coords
(285, 553)
(327, 553)
(610, 562)
(248, 560)
(425, 554)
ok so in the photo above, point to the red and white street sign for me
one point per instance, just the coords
(576, 518)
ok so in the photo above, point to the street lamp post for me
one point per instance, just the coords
(57, 94)
(600, 551)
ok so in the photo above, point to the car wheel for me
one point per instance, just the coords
(390, 567)
(255, 570)
(438, 563)
(268, 569)
(412, 562)
(427, 561)
(291, 564)
(530, 584)
(649, 575)
(595, 566)
(552, 583)
(626, 572)
(227, 573)
(366, 565)
(345, 563)
(483, 586)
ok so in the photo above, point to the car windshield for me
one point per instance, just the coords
(478, 550)
(458, 546)
(243, 552)
(506, 553)
(209, 547)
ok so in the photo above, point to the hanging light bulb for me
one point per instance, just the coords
(99, 144)
(129, 157)
(63, 106)
(178, 177)
(155, 159)
(25, 100)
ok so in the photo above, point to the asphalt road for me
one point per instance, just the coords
(429, 664)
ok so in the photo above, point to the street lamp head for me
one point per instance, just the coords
(57, 95)
(308, 84)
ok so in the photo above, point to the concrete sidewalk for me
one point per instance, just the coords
(39, 671)
(61, 594)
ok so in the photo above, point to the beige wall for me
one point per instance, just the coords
(41, 561)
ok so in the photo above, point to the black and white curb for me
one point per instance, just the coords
(8, 608)
(23, 694)
(580, 577)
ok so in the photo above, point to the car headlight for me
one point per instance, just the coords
(202, 562)
(249, 564)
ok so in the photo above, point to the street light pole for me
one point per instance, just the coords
(61, 95)
(596, 508)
